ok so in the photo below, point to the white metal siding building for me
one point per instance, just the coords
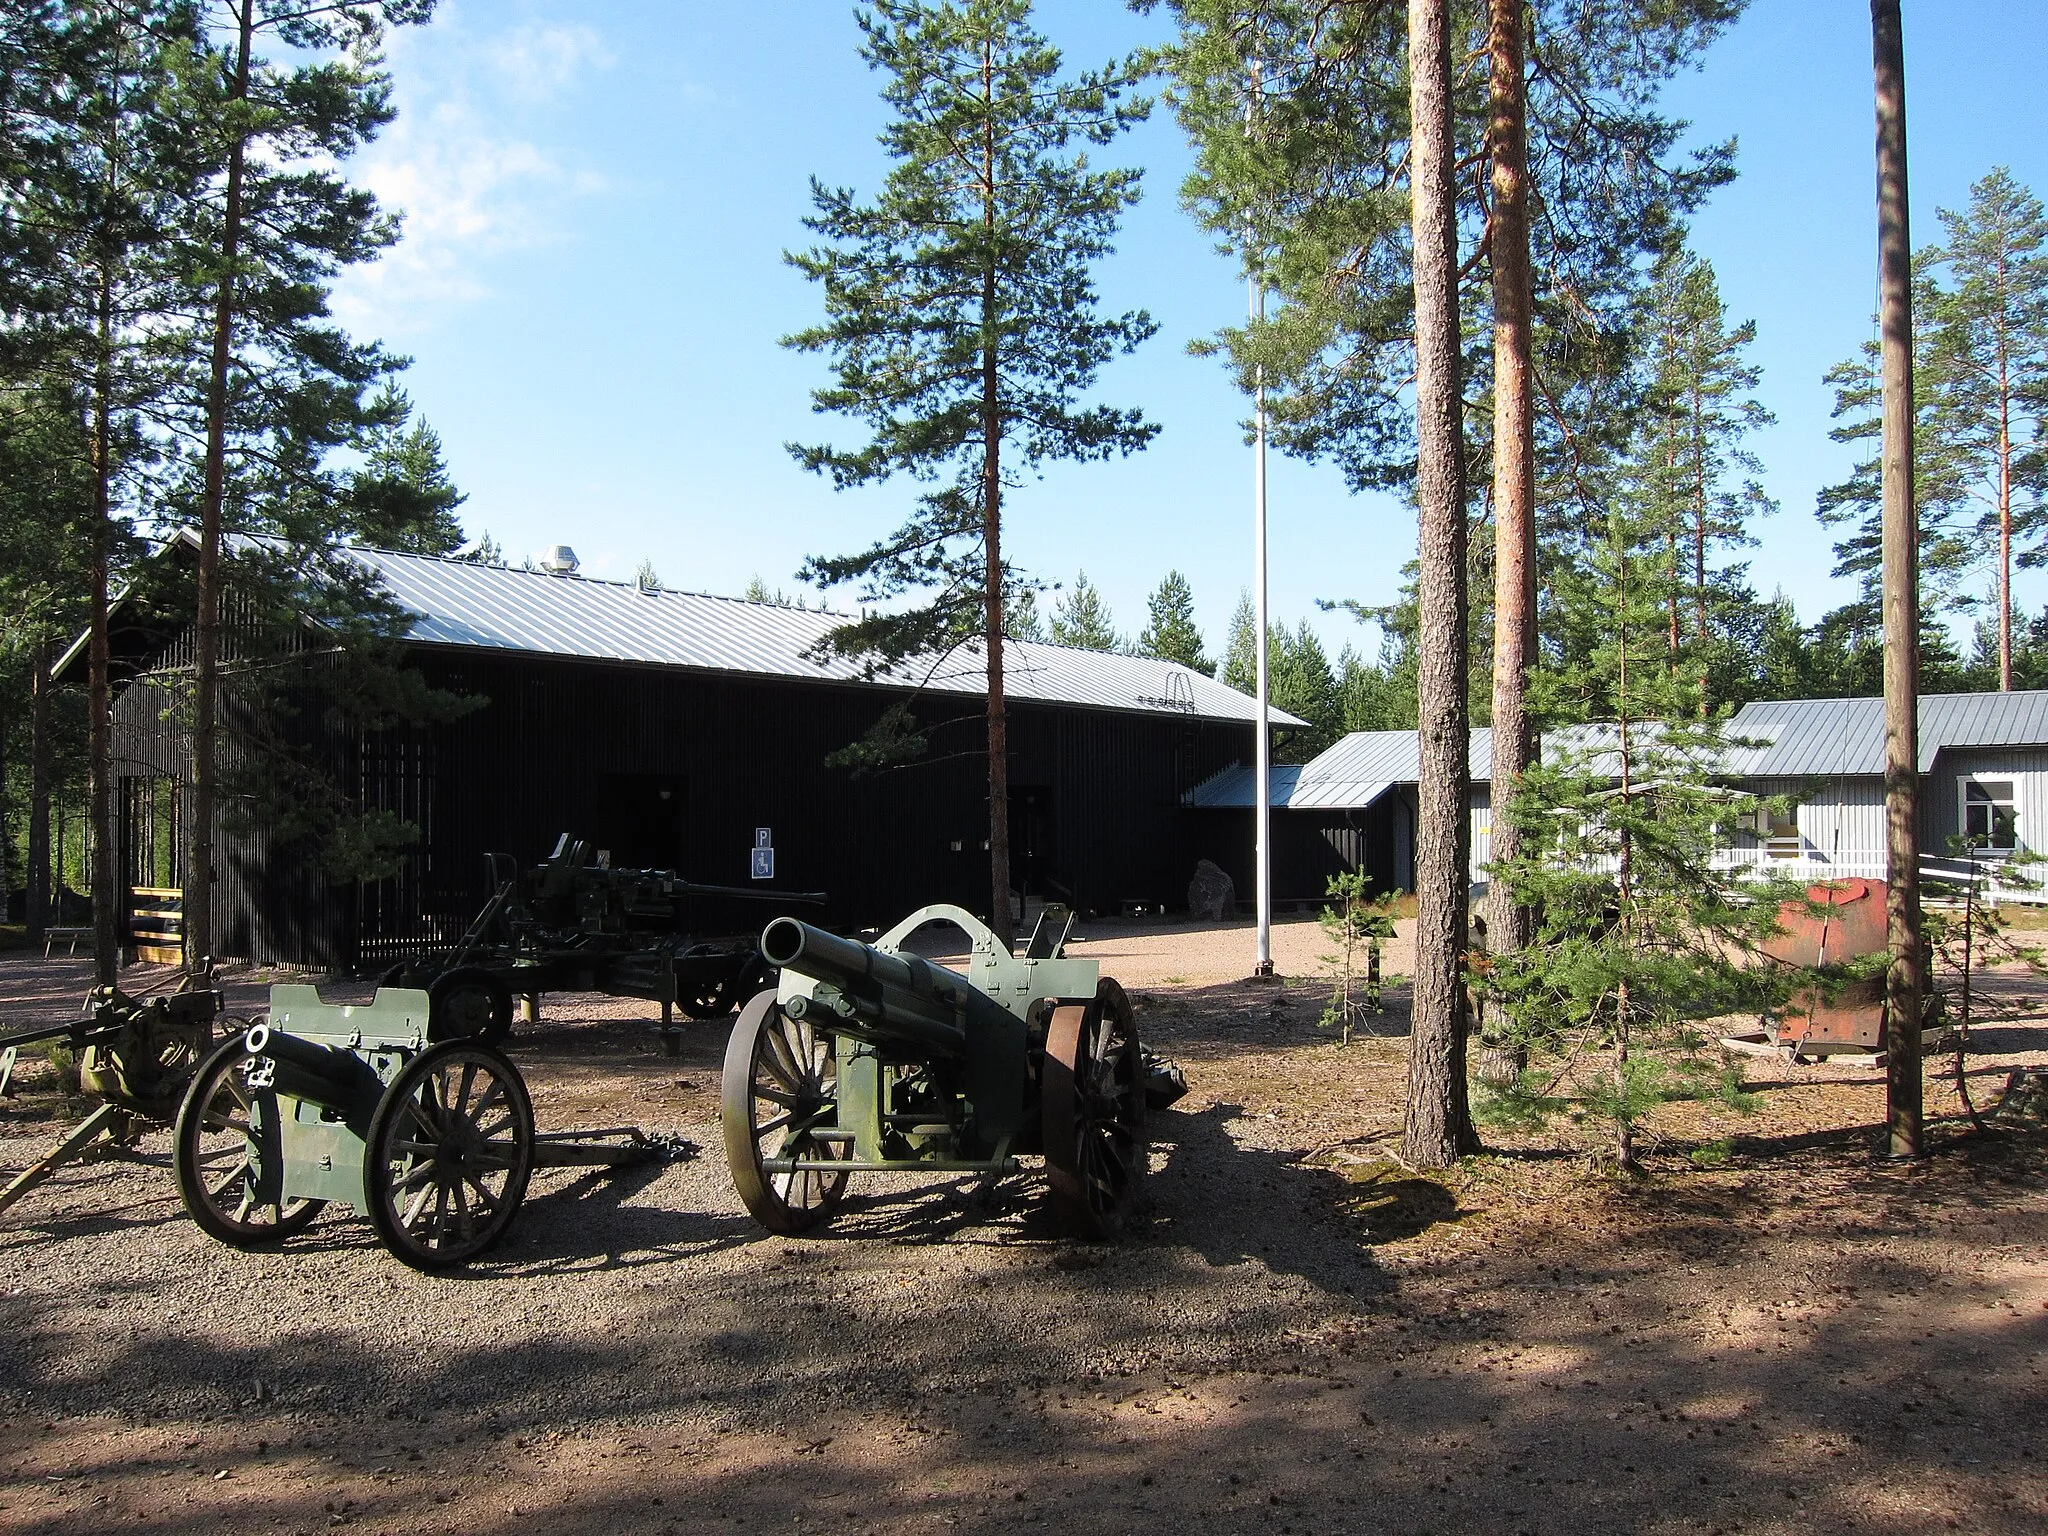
(1983, 766)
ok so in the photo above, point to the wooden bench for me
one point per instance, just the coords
(156, 925)
(70, 938)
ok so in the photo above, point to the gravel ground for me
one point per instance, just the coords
(1299, 1336)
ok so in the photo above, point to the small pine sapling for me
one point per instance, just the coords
(1642, 933)
(1355, 924)
(1965, 930)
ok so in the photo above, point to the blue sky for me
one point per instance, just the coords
(597, 197)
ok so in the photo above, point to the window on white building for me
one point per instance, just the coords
(1990, 819)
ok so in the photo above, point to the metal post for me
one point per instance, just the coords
(1262, 813)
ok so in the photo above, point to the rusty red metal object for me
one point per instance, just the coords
(1846, 921)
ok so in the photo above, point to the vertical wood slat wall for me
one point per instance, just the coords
(533, 761)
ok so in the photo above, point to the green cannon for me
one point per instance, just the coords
(871, 1059)
(324, 1103)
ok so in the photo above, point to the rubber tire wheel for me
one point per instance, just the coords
(742, 1147)
(292, 1217)
(707, 1002)
(393, 1110)
(403, 974)
(758, 977)
(469, 1004)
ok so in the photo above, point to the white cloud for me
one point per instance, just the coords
(463, 165)
(536, 63)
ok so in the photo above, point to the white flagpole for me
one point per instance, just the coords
(1263, 754)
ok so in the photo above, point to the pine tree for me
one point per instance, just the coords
(1377, 696)
(114, 176)
(1640, 936)
(1021, 619)
(1081, 619)
(1240, 653)
(963, 322)
(1171, 633)
(280, 384)
(402, 497)
(1304, 686)
(1940, 473)
(1689, 463)
(1987, 326)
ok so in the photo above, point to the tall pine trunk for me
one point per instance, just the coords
(206, 639)
(39, 754)
(2004, 515)
(1438, 1126)
(1901, 593)
(1000, 917)
(1514, 456)
(1699, 541)
(106, 894)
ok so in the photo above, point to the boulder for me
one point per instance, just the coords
(1212, 894)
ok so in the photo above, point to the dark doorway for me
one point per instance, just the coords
(1031, 844)
(640, 819)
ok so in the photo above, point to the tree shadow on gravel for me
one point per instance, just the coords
(1599, 1385)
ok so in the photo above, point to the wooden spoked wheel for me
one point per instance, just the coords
(448, 1155)
(1093, 1104)
(781, 1088)
(229, 1157)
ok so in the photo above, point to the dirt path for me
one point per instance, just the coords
(1299, 1338)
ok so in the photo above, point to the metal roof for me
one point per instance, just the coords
(1370, 757)
(1231, 788)
(1349, 776)
(481, 607)
(485, 607)
(1800, 737)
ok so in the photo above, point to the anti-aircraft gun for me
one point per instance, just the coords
(573, 923)
(136, 1054)
(871, 1059)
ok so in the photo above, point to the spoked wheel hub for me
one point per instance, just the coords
(229, 1156)
(448, 1156)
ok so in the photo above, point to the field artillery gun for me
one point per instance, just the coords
(871, 1059)
(572, 923)
(434, 1142)
(136, 1054)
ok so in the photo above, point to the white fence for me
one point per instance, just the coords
(2027, 884)
(1997, 883)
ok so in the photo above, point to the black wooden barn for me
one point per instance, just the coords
(684, 731)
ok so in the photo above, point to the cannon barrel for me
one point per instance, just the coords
(899, 996)
(320, 1074)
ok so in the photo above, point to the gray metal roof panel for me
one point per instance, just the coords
(493, 608)
(1366, 757)
(1231, 788)
(1818, 737)
(1337, 794)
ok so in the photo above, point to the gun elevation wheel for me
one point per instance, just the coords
(448, 1155)
(230, 1159)
(781, 1087)
(1094, 1113)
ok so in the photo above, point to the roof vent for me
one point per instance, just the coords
(559, 561)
